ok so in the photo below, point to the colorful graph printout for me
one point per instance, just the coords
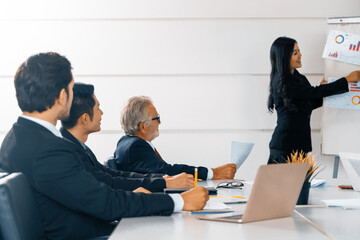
(349, 100)
(342, 47)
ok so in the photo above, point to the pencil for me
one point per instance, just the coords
(196, 177)
(227, 197)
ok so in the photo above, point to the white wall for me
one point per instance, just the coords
(205, 64)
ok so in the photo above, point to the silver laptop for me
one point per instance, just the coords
(274, 194)
(351, 163)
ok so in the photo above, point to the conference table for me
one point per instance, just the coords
(316, 221)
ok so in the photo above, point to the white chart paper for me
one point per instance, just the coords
(342, 47)
(348, 100)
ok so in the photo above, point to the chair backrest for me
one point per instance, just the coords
(2, 174)
(111, 163)
(19, 217)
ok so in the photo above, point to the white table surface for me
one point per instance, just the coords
(337, 222)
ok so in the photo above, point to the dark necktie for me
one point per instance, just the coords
(158, 155)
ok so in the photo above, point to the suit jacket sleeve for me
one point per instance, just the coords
(142, 158)
(303, 89)
(316, 103)
(58, 173)
(126, 174)
(116, 180)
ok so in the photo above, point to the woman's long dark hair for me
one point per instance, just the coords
(280, 56)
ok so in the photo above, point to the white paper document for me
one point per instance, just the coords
(239, 152)
(344, 203)
(318, 182)
(214, 205)
(342, 47)
(348, 100)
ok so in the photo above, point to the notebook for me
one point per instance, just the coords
(274, 194)
(351, 163)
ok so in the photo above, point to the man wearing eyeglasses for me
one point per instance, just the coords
(134, 151)
(84, 119)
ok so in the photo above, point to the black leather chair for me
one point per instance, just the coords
(2, 174)
(19, 216)
(111, 163)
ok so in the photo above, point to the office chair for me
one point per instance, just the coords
(19, 218)
(2, 174)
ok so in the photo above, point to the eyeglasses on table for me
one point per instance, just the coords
(234, 184)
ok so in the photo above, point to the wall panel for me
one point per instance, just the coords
(184, 102)
(161, 47)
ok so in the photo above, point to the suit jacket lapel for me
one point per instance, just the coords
(91, 155)
(66, 134)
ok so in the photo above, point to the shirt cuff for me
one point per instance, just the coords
(178, 202)
(210, 174)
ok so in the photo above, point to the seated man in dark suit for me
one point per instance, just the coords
(134, 151)
(72, 203)
(84, 119)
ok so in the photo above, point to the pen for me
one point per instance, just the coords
(240, 202)
(196, 177)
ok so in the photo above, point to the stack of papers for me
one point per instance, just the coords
(228, 199)
(344, 203)
(218, 205)
(215, 206)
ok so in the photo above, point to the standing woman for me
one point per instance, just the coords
(294, 99)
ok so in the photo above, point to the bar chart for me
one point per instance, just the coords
(354, 47)
(355, 87)
(333, 55)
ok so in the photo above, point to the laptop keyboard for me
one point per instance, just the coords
(239, 216)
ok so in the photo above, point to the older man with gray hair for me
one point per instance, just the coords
(134, 151)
